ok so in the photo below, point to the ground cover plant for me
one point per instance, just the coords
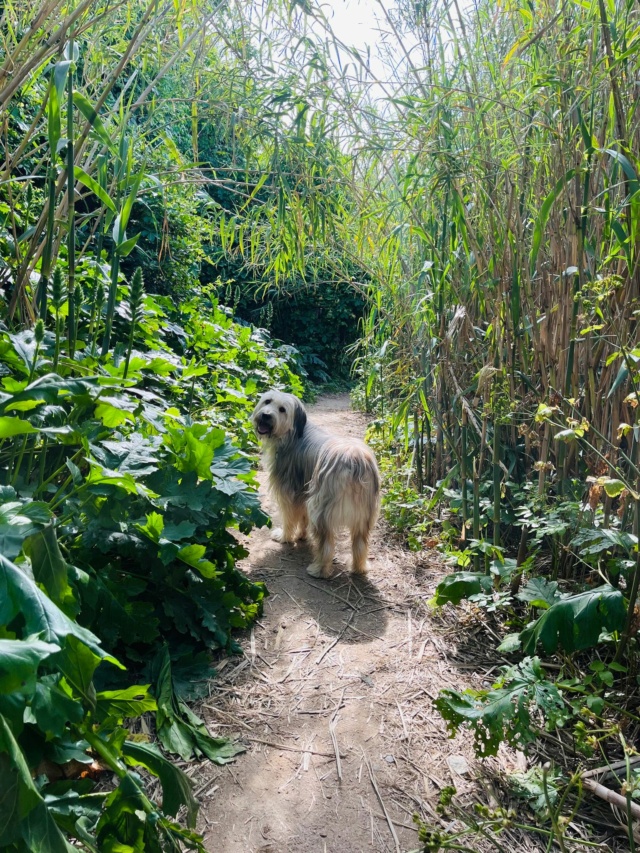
(126, 454)
(118, 500)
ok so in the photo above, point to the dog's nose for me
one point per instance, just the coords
(266, 417)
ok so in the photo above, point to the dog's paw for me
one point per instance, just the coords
(278, 535)
(318, 571)
(360, 569)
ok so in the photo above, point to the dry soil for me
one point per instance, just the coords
(333, 700)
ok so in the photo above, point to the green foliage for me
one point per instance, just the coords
(139, 483)
(454, 587)
(320, 319)
(504, 712)
(576, 622)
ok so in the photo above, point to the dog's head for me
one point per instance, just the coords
(278, 415)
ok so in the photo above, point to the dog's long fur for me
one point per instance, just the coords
(321, 482)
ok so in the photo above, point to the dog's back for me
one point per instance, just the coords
(345, 486)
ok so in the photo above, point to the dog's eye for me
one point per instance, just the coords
(281, 409)
(266, 402)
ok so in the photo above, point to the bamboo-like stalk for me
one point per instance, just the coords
(497, 483)
(463, 472)
(71, 208)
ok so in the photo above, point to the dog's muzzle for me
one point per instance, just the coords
(264, 425)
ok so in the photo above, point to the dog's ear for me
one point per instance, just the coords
(299, 419)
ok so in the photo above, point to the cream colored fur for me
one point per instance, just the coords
(321, 482)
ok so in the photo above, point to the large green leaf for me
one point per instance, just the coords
(454, 587)
(23, 814)
(19, 595)
(12, 426)
(18, 521)
(19, 662)
(539, 592)
(128, 702)
(576, 622)
(179, 729)
(52, 707)
(78, 663)
(50, 388)
(503, 713)
(176, 785)
(49, 566)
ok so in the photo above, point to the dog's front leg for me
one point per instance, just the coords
(290, 517)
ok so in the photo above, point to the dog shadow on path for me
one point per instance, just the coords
(345, 604)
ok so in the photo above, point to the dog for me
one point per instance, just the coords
(321, 482)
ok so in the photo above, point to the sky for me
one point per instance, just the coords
(355, 22)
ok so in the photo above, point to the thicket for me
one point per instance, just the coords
(501, 349)
(126, 454)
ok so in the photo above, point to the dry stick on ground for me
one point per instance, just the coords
(328, 592)
(336, 640)
(612, 798)
(290, 748)
(334, 738)
(611, 768)
(382, 805)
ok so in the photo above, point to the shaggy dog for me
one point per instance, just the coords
(320, 481)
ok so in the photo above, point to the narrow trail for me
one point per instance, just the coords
(333, 700)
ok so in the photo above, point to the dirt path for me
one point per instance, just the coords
(333, 699)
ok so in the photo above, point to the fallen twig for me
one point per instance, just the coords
(334, 741)
(336, 640)
(328, 592)
(611, 768)
(274, 745)
(334, 738)
(612, 798)
(382, 805)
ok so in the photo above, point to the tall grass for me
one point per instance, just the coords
(506, 262)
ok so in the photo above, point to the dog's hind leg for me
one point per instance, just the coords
(359, 551)
(324, 546)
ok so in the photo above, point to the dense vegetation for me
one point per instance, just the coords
(470, 212)
(125, 447)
